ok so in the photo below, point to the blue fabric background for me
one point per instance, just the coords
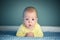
(12, 11)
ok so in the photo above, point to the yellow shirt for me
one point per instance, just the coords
(36, 31)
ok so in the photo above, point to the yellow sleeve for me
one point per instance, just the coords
(20, 31)
(39, 32)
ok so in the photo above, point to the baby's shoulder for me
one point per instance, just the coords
(37, 26)
(21, 26)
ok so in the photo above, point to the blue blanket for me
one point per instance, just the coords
(10, 37)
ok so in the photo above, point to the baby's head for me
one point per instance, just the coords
(30, 17)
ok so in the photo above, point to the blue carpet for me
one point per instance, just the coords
(10, 35)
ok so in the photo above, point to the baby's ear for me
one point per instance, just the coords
(37, 19)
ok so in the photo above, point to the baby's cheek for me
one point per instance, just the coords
(33, 22)
(26, 23)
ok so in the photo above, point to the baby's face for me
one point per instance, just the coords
(30, 19)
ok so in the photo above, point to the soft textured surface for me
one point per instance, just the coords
(10, 35)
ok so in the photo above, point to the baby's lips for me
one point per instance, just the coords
(29, 24)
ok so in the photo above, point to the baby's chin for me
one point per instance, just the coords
(30, 27)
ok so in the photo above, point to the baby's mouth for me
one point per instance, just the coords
(30, 25)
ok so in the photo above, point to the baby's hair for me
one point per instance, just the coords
(30, 9)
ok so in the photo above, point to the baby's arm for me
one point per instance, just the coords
(38, 32)
(20, 32)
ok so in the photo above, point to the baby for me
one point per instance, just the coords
(30, 26)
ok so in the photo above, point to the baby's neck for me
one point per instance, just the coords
(31, 28)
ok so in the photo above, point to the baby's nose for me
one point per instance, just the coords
(29, 21)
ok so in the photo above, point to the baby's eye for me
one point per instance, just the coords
(32, 19)
(27, 19)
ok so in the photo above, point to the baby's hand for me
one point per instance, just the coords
(30, 34)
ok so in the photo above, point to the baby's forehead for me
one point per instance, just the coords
(30, 17)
